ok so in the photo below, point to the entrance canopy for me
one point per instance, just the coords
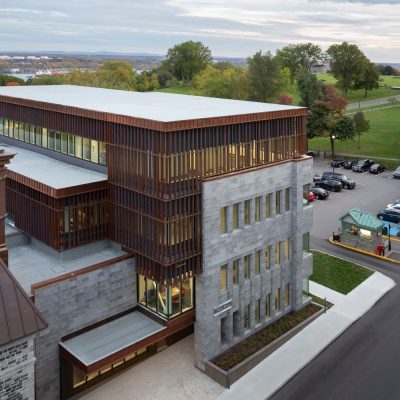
(111, 341)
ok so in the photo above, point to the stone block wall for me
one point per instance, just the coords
(17, 370)
(73, 304)
(216, 331)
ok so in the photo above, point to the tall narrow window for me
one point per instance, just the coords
(306, 242)
(306, 195)
(287, 295)
(235, 272)
(246, 317)
(247, 267)
(277, 300)
(247, 212)
(235, 216)
(223, 228)
(287, 199)
(267, 257)
(268, 305)
(64, 143)
(268, 206)
(86, 149)
(257, 315)
(78, 147)
(94, 151)
(223, 278)
(257, 206)
(287, 249)
(257, 262)
(278, 202)
(71, 145)
(102, 153)
(277, 253)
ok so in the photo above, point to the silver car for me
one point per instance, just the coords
(396, 173)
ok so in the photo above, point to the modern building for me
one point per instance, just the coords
(145, 215)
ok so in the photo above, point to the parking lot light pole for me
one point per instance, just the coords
(333, 152)
(390, 244)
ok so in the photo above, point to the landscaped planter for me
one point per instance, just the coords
(226, 378)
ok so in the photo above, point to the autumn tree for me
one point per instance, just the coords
(361, 124)
(5, 80)
(346, 63)
(116, 75)
(299, 58)
(265, 77)
(368, 79)
(188, 59)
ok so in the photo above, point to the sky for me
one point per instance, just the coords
(230, 28)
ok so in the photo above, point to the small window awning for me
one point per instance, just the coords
(112, 341)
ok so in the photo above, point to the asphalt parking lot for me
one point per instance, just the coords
(372, 193)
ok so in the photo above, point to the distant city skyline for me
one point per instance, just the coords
(234, 28)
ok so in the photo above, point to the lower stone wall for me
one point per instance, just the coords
(74, 304)
(17, 370)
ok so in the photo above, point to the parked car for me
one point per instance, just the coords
(348, 164)
(316, 177)
(337, 163)
(362, 165)
(311, 196)
(320, 194)
(397, 201)
(311, 153)
(396, 173)
(388, 215)
(329, 184)
(393, 207)
(346, 182)
(377, 169)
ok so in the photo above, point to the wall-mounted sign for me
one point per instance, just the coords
(223, 307)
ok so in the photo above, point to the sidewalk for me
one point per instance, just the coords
(272, 373)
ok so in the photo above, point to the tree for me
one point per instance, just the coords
(361, 125)
(385, 69)
(188, 59)
(116, 75)
(346, 63)
(265, 79)
(5, 80)
(299, 58)
(368, 78)
(228, 83)
(285, 99)
(310, 89)
(59, 79)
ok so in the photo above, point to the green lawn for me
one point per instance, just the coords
(381, 141)
(334, 273)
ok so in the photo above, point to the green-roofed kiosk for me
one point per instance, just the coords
(362, 230)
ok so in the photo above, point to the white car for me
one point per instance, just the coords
(393, 207)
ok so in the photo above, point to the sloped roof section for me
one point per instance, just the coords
(365, 220)
(18, 315)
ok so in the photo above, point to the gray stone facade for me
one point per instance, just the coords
(73, 304)
(17, 370)
(216, 329)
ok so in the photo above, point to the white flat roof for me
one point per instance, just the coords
(164, 107)
(107, 339)
(48, 171)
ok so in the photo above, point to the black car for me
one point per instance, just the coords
(377, 169)
(337, 163)
(346, 182)
(362, 165)
(311, 153)
(348, 164)
(329, 184)
(388, 215)
(316, 177)
(319, 193)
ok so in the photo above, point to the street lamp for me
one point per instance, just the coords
(390, 244)
(333, 152)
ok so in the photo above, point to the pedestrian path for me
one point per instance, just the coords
(272, 373)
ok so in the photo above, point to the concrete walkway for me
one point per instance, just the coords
(271, 374)
(371, 103)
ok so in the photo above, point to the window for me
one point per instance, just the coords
(257, 315)
(247, 267)
(86, 149)
(223, 228)
(287, 199)
(278, 253)
(257, 215)
(235, 272)
(287, 295)
(306, 242)
(246, 317)
(277, 299)
(78, 377)
(94, 151)
(257, 262)
(306, 287)
(247, 212)
(235, 216)
(223, 278)
(278, 202)
(268, 305)
(102, 153)
(267, 257)
(287, 249)
(268, 205)
(306, 195)
(78, 147)
(71, 145)
(64, 143)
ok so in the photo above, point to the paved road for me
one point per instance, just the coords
(371, 103)
(363, 363)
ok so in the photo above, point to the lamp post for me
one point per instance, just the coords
(390, 244)
(333, 152)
